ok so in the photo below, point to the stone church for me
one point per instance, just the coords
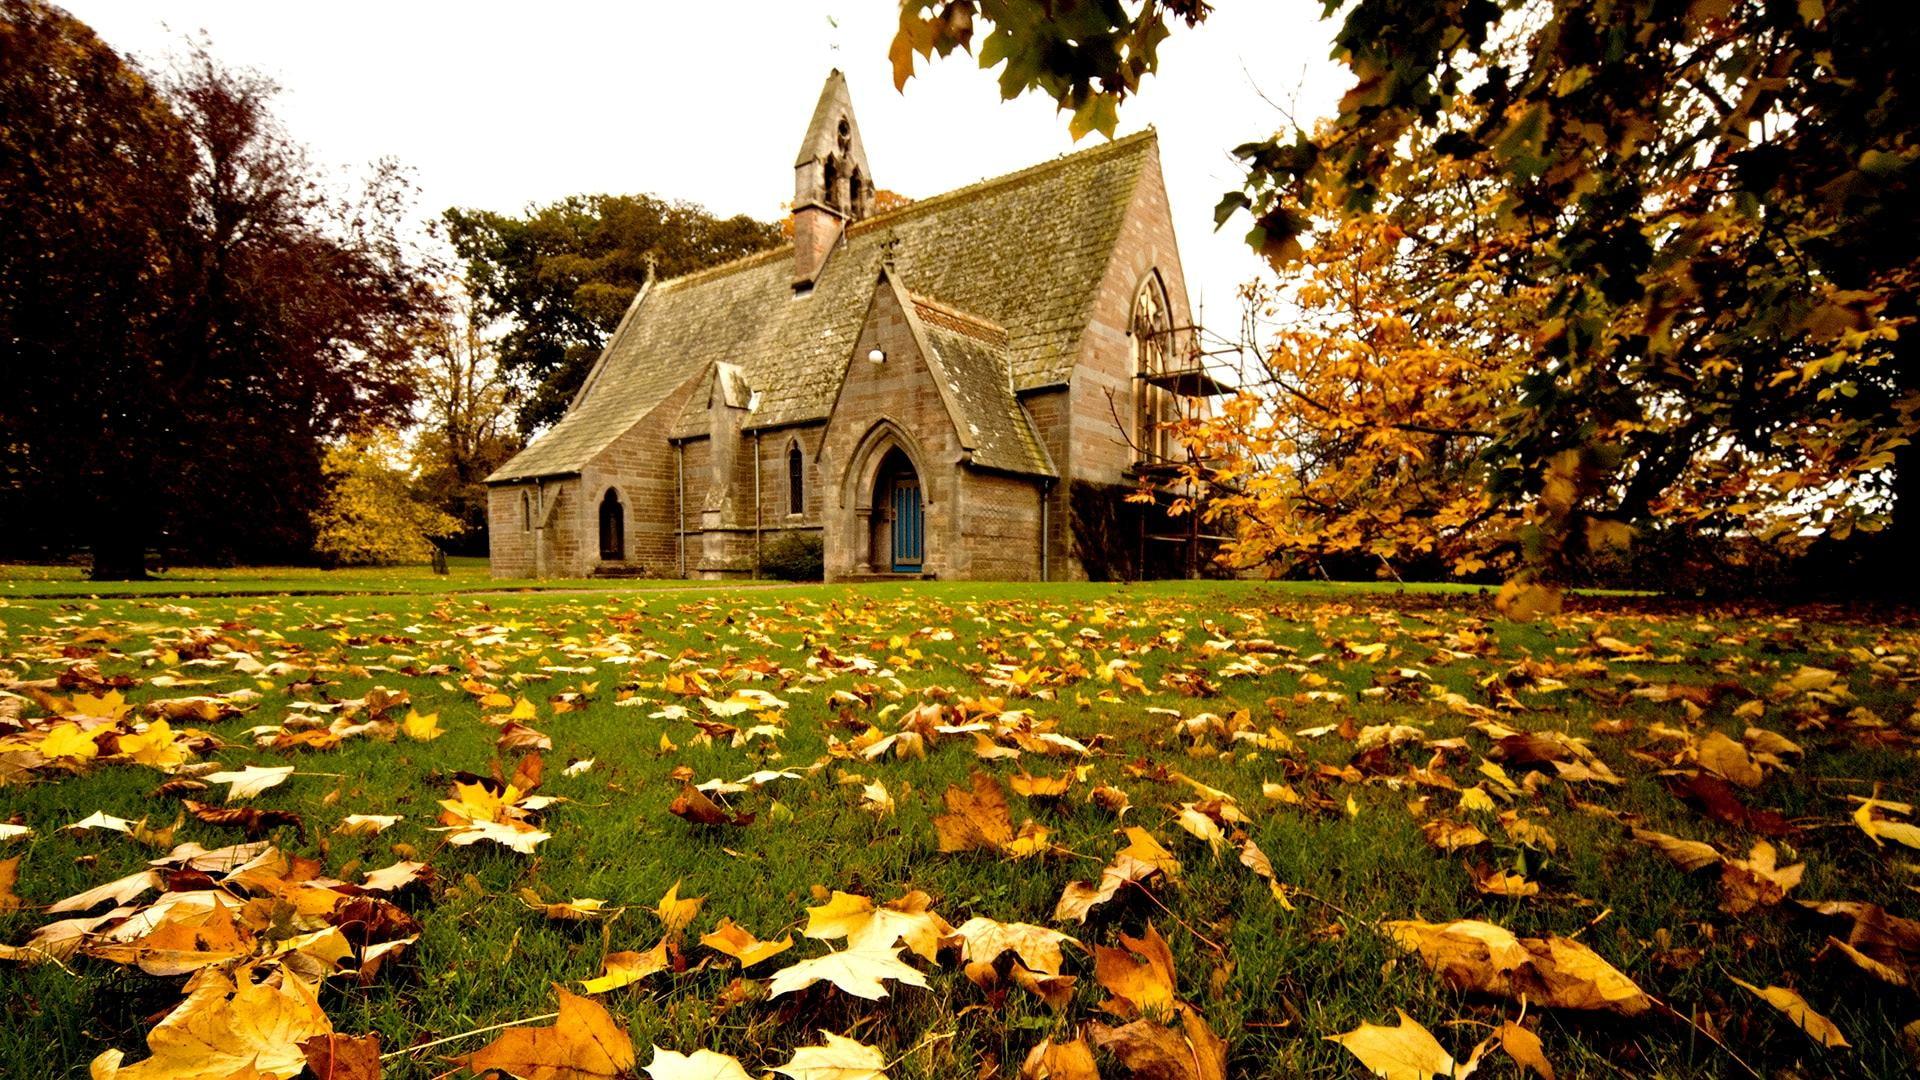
(926, 389)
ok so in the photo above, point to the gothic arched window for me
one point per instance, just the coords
(1154, 406)
(796, 484)
(854, 193)
(830, 183)
(526, 512)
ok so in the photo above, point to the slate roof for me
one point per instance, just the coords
(971, 358)
(1025, 251)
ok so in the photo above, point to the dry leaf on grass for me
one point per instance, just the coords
(857, 971)
(840, 1058)
(224, 1029)
(627, 968)
(343, 1057)
(1155, 1051)
(1406, 1051)
(584, 1043)
(1795, 1008)
(1072, 1060)
(1141, 979)
(699, 1065)
(729, 938)
(1553, 971)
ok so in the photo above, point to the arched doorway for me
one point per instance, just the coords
(900, 533)
(613, 527)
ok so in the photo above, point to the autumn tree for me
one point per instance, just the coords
(561, 275)
(191, 315)
(465, 426)
(1723, 188)
(1376, 374)
(370, 514)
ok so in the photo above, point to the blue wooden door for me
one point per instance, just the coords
(909, 526)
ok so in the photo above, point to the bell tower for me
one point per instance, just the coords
(832, 183)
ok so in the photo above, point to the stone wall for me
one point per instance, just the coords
(1101, 451)
(893, 403)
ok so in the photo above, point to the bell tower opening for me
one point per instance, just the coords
(832, 182)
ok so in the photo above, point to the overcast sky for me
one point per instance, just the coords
(498, 105)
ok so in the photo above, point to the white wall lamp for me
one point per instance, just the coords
(877, 356)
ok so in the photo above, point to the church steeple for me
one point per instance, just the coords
(832, 183)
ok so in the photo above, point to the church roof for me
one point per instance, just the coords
(970, 357)
(1025, 251)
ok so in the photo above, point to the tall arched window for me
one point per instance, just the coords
(830, 182)
(526, 512)
(855, 192)
(1154, 406)
(796, 485)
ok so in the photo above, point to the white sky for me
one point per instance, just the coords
(497, 105)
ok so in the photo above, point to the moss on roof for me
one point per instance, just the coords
(1025, 251)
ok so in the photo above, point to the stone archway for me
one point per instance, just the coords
(897, 527)
(884, 481)
(613, 527)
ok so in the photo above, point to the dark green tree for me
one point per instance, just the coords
(561, 275)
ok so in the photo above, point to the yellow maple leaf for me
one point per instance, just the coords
(422, 728)
(224, 1028)
(626, 968)
(675, 913)
(736, 942)
(1405, 1052)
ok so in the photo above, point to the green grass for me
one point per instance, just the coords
(1285, 979)
(27, 580)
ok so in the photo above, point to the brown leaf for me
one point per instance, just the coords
(1525, 1049)
(255, 821)
(343, 1057)
(1154, 1051)
(1553, 971)
(1715, 798)
(693, 805)
(1141, 979)
(976, 818)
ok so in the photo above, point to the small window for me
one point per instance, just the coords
(526, 512)
(796, 486)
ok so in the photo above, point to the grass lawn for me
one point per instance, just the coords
(25, 580)
(1335, 727)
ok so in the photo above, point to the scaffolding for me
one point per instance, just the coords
(1171, 480)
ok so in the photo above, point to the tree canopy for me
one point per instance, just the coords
(190, 316)
(561, 275)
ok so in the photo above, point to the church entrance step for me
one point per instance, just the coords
(619, 570)
(855, 579)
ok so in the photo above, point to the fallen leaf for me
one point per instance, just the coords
(1796, 1009)
(840, 1058)
(857, 971)
(626, 968)
(584, 1043)
(1404, 1052)
(729, 938)
(227, 1029)
(699, 1065)
(250, 781)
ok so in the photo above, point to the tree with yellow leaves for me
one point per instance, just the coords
(370, 516)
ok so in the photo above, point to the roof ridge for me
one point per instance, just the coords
(1030, 172)
(962, 321)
